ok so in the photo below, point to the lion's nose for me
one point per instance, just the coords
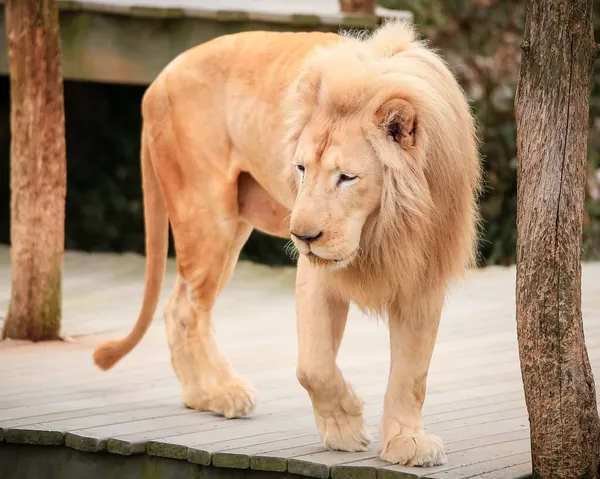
(308, 237)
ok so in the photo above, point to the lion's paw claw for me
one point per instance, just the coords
(342, 432)
(342, 427)
(234, 398)
(425, 450)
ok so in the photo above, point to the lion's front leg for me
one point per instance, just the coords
(413, 332)
(321, 319)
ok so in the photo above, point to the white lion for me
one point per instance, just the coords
(364, 151)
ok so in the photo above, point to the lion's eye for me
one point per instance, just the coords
(300, 169)
(346, 179)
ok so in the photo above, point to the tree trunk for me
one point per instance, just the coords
(358, 6)
(552, 108)
(38, 170)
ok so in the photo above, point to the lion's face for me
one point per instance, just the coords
(376, 131)
(339, 181)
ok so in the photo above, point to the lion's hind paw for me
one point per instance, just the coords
(234, 398)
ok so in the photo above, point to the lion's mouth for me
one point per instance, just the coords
(322, 261)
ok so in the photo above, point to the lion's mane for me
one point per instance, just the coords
(425, 232)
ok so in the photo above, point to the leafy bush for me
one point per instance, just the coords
(481, 40)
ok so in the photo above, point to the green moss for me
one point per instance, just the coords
(385, 473)
(198, 456)
(31, 436)
(232, 16)
(232, 461)
(173, 451)
(51, 310)
(125, 448)
(69, 6)
(73, 29)
(151, 470)
(305, 20)
(40, 319)
(265, 463)
(82, 443)
(353, 472)
(360, 21)
(307, 468)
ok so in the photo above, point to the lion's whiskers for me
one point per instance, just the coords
(291, 250)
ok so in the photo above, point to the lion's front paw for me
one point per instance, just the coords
(341, 426)
(343, 432)
(424, 450)
(233, 398)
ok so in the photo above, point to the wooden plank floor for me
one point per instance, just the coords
(51, 393)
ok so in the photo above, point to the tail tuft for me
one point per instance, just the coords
(108, 354)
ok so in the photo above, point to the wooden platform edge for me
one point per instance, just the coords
(55, 442)
(23, 460)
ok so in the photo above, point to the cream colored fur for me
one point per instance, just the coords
(364, 150)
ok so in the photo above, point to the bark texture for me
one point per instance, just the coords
(358, 6)
(552, 108)
(38, 170)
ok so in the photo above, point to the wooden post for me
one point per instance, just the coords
(552, 107)
(358, 6)
(38, 170)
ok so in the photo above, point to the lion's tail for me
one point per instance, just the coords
(157, 242)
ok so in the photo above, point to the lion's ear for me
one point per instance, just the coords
(397, 118)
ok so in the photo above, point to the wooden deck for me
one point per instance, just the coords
(51, 394)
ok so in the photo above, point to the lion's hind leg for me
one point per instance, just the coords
(191, 153)
(208, 234)
(208, 381)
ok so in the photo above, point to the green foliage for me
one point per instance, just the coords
(481, 40)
